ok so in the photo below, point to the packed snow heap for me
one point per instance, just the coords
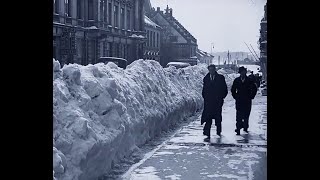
(102, 113)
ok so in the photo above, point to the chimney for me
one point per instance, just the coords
(167, 10)
(170, 12)
(158, 9)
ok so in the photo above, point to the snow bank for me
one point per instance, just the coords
(101, 112)
(229, 76)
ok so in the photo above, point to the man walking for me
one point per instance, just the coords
(214, 91)
(243, 91)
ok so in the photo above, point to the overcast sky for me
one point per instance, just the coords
(226, 23)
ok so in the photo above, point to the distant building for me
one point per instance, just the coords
(263, 44)
(177, 44)
(153, 45)
(204, 57)
(84, 30)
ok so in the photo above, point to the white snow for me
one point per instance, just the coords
(91, 27)
(178, 64)
(145, 173)
(227, 176)
(150, 22)
(101, 113)
(162, 153)
(174, 177)
(136, 36)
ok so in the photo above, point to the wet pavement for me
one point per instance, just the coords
(185, 155)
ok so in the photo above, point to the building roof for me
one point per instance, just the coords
(179, 26)
(201, 53)
(175, 24)
(149, 22)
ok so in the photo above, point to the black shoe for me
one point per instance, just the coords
(246, 130)
(219, 133)
(207, 139)
(237, 131)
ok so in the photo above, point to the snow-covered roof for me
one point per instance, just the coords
(203, 53)
(150, 22)
(264, 42)
(92, 27)
(178, 64)
(136, 36)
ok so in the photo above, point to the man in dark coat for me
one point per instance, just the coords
(243, 91)
(214, 91)
(251, 76)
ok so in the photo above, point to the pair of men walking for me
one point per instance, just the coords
(215, 90)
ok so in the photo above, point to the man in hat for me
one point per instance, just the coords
(214, 91)
(243, 91)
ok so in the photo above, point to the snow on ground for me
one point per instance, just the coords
(101, 113)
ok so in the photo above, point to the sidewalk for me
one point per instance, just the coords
(186, 156)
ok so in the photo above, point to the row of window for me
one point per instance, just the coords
(185, 51)
(105, 12)
(110, 49)
(153, 39)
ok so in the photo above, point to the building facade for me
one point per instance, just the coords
(177, 44)
(263, 44)
(153, 45)
(204, 57)
(84, 30)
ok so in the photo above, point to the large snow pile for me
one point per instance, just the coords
(229, 76)
(101, 112)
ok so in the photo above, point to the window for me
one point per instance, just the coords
(90, 10)
(127, 51)
(79, 9)
(128, 19)
(157, 40)
(105, 8)
(108, 49)
(116, 10)
(109, 13)
(148, 38)
(115, 52)
(124, 51)
(68, 4)
(102, 10)
(122, 18)
(153, 39)
(56, 6)
(121, 50)
(118, 50)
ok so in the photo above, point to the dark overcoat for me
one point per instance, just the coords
(213, 93)
(243, 93)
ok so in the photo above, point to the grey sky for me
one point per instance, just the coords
(226, 23)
